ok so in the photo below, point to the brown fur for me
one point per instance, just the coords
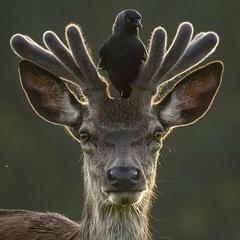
(125, 133)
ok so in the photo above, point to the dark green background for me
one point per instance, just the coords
(198, 194)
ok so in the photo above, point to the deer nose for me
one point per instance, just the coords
(124, 179)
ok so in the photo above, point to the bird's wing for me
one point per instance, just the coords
(101, 63)
(145, 52)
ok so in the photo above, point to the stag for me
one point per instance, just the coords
(120, 139)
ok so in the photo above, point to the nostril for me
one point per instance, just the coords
(112, 178)
(124, 178)
(136, 176)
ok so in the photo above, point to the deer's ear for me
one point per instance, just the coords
(191, 98)
(48, 95)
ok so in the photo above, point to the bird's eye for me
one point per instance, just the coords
(127, 20)
(158, 134)
(84, 136)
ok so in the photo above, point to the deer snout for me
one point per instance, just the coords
(126, 185)
(124, 179)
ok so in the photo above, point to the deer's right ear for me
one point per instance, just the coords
(49, 96)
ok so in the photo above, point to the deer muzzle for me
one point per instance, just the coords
(125, 185)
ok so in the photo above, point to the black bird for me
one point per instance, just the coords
(123, 54)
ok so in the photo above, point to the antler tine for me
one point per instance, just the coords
(26, 48)
(200, 48)
(154, 62)
(54, 44)
(176, 50)
(83, 60)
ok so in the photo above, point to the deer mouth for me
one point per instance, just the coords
(124, 198)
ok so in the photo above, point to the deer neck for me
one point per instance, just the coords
(102, 220)
(115, 222)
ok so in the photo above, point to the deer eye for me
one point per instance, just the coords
(158, 134)
(84, 136)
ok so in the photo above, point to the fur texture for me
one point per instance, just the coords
(113, 134)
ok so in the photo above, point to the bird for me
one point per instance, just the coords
(122, 55)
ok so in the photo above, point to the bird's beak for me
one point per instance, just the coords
(139, 24)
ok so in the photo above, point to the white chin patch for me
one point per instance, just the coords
(124, 198)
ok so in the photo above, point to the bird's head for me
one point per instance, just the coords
(128, 21)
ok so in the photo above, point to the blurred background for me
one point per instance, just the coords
(198, 195)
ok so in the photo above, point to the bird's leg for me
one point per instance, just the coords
(127, 90)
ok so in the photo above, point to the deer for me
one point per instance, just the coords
(120, 139)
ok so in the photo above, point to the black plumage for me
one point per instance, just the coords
(123, 54)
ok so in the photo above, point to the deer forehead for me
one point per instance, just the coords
(121, 114)
(121, 126)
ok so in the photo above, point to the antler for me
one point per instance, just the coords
(74, 65)
(183, 54)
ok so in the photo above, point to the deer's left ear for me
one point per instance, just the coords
(190, 98)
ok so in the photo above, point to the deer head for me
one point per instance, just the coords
(120, 139)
